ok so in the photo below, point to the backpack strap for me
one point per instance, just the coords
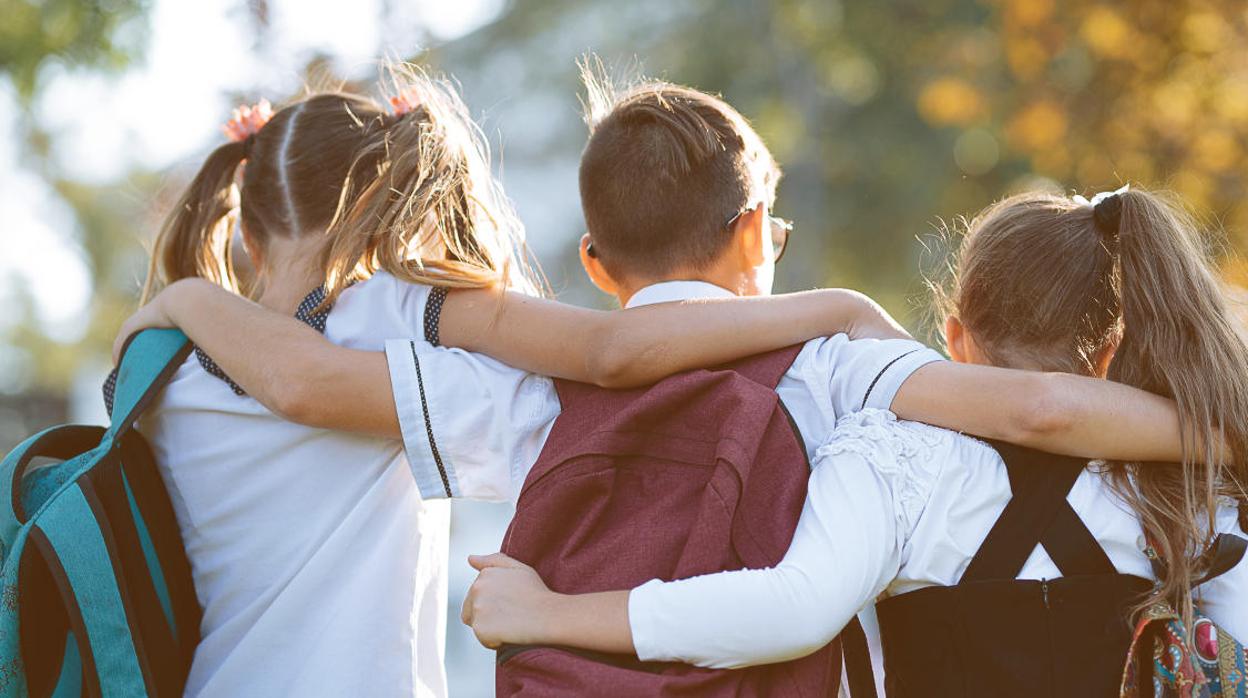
(148, 360)
(75, 547)
(1223, 556)
(1038, 513)
(61, 443)
(859, 674)
(767, 369)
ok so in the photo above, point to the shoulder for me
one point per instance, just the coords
(879, 435)
(909, 457)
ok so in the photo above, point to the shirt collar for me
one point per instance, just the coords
(667, 291)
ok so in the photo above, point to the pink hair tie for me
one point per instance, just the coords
(403, 103)
(247, 120)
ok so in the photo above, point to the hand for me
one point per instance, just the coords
(151, 315)
(507, 603)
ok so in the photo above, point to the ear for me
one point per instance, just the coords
(956, 340)
(752, 236)
(594, 269)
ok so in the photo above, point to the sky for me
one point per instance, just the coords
(167, 108)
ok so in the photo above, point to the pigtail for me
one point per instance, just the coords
(421, 203)
(195, 239)
(1178, 340)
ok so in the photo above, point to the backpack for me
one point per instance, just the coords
(1163, 663)
(700, 473)
(97, 591)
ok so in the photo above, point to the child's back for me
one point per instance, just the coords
(314, 557)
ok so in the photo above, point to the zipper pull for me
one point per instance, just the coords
(1044, 591)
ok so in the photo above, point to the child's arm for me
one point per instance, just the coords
(728, 619)
(292, 370)
(1055, 412)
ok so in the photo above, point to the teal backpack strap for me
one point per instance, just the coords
(73, 545)
(148, 360)
(20, 499)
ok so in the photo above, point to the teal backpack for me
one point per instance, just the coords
(97, 598)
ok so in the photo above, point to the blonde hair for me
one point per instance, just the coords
(1038, 280)
(409, 193)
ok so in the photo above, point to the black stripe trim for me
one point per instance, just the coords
(424, 406)
(880, 375)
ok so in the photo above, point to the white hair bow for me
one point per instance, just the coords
(1101, 196)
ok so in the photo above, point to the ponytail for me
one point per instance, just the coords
(421, 203)
(1178, 340)
(409, 192)
(195, 239)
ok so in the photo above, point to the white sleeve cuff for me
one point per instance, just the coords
(888, 381)
(418, 420)
(644, 623)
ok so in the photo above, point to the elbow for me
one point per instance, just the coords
(610, 364)
(1047, 414)
(292, 402)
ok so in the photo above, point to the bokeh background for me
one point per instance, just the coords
(888, 117)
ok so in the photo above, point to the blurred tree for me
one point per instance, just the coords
(887, 116)
(106, 34)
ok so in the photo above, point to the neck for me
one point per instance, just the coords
(718, 275)
(285, 286)
(291, 269)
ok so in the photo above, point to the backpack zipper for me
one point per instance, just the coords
(1044, 591)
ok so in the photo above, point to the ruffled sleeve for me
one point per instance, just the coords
(906, 456)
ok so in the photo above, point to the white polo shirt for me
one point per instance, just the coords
(320, 570)
(473, 427)
(893, 507)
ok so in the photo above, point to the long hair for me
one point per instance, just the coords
(1038, 282)
(410, 194)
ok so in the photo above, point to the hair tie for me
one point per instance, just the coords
(1106, 209)
(246, 121)
(404, 103)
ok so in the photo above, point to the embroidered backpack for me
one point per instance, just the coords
(97, 591)
(1162, 662)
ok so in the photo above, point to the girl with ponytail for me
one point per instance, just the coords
(999, 570)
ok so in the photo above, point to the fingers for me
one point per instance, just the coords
(465, 611)
(481, 562)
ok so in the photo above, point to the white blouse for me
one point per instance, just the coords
(893, 506)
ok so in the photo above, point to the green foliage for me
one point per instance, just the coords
(103, 34)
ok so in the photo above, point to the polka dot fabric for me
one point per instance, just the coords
(305, 313)
(433, 315)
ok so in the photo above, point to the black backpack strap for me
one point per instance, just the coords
(1038, 513)
(859, 674)
(1224, 556)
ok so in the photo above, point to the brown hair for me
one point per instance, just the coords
(1038, 281)
(665, 169)
(410, 194)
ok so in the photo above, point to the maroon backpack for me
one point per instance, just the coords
(700, 473)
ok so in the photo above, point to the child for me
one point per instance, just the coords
(1118, 290)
